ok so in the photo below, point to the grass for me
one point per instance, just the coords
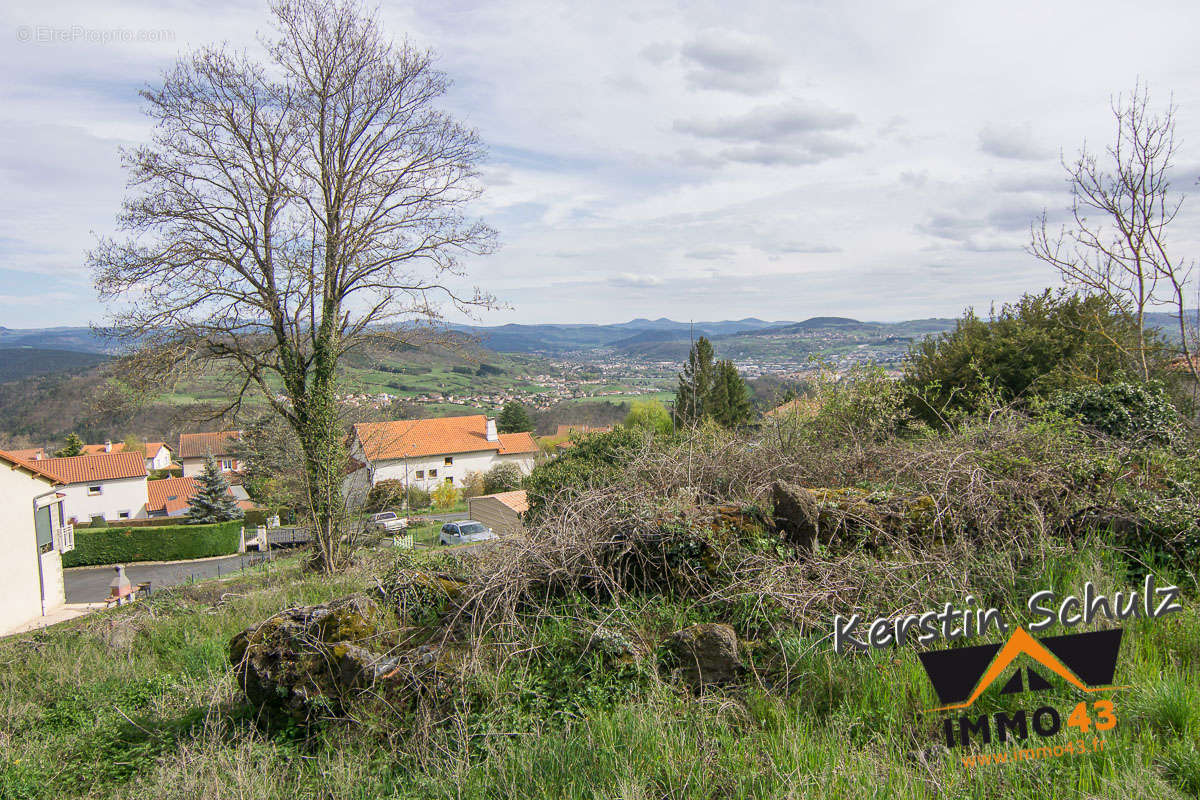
(140, 701)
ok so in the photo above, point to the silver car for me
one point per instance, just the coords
(464, 531)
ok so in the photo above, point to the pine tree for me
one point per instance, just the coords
(513, 418)
(695, 383)
(73, 446)
(732, 408)
(212, 503)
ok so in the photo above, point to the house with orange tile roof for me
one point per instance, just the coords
(170, 497)
(195, 448)
(110, 485)
(429, 452)
(158, 454)
(33, 536)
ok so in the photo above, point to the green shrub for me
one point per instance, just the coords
(1030, 349)
(418, 498)
(384, 494)
(594, 460)
(174, 543)
(502, 478)
(1123, 410)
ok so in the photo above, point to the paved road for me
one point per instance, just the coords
(90, 584)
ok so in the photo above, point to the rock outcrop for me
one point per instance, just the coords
(702, 655)
(307, 661)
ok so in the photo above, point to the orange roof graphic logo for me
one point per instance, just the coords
(960, 676)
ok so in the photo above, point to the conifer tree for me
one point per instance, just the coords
(695, 383)
(513, 418)
(73, 446)
(731, 401)
(212, 503)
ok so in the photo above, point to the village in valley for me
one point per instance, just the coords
(563, 401)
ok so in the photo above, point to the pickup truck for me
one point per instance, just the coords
(388, 522)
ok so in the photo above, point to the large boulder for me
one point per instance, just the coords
(807, 517)
(702, 655)
(309, 661)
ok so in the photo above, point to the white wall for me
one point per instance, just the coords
(464, 464)
(192, 467)
(20, 591)
(159, 460)
(127, 494)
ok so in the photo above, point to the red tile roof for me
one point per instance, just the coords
(31, 454)
(511, 443)
(199, 445)
(152, 448)
(412, 438)
(83, 469)
(169, 494)
(37, 468)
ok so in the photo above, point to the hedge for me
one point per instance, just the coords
(165, 543)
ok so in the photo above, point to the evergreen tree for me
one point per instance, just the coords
(513, 418)
(73, 446)
(731, 401)
(695, 383)
(212, 503)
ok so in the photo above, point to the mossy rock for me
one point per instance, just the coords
(807, 517)
(702, 655)
(416, 595)
(309, 661)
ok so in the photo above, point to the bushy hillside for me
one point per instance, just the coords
(662, 631)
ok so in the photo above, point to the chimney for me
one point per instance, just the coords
(491, 431)
(108, 445)
(120, 585)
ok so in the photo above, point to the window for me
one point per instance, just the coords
(226, 464)
(449, 480)
(449, 461)
(433, 473)
(123, 514)
(420, 474)
(95, 490)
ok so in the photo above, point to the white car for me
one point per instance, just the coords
(388, 521)
(465, 531)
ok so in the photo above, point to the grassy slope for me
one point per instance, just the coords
(140, 702)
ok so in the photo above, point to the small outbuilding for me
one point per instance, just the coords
(503, 512)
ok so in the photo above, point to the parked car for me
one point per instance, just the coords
(464, 531)
(388, 521)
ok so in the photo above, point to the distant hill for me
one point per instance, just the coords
(18, 363)
(79, 339)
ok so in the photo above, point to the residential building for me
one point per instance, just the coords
(195, 448)
(33, 535)
(428, 452)
(170, 497)
(503, 512)
(112, 486)
(158, 454)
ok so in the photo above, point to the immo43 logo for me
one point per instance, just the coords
(1020, 663)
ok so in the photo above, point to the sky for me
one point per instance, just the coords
(694, 160)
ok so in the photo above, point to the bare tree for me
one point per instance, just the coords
(1122, 205)
(287, 211)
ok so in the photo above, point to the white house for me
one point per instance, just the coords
(428, 452)
(112, 486)
(33, 535)
(158, 454)
(195, 448)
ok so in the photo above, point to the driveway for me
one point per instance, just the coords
(90, 584)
